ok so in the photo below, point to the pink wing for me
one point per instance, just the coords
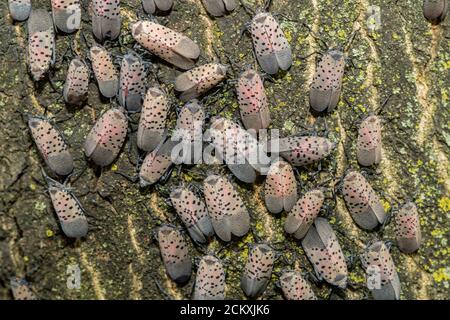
(294, 287)
(210, 280)
(51, 145)
(77, 82)
(258, 270)
(280, 189)
(69, 211)
(152, 123)
(301, 151)
(193, 213)
(175, 254)
(253, 103)
(226, 208)
(168, 44)
(304, 213)
(106, 138)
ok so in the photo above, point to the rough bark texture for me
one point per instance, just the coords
(407, 60)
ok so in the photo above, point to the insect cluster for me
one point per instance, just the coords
(220, 211)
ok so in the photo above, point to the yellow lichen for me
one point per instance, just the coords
(386, 205)
(444, 204)
(437, 233)
(442, 274)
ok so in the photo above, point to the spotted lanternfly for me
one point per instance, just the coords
(156, 164)
(382, 277)
(66, 15)
(105, 72)
(152, 123)
(362, 201)
(407, 228)
(271, 46)
(69, 211)
(193, 83)
(369, 141)
(189, 130)
(106, 137)
(166, 43)
(235, 146)
(77, 82)
(132, 82)
(19, 9)
(218, 8)
(41, 43)
(193, 213)
(229, 216)
(327, 82)
(21, 289)
(175, 254)
(153, 6)
(435, 11)
(210, 280)
(51, 146)
(106, 19)
(258, 270)
(300, 151)
(280, 189)
(304, 213)
(323, 250)
(294, 287)
(253, 104)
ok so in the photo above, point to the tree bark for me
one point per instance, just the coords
(400, 70)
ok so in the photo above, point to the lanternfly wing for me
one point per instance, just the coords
(41, 43)
(258, 270)
(218, 8)
(192, 211)
(106, 137)
(294, 287)
(271, 46)
(69, 211)
(235, 146)
(226, 208)
(106, 20)
(105, 72)
(152, 123)
(156, 164)
(369, 141)
(327, 82)
(77, 82)
(166, 43)
(301, 151)
(132, 82)
(51, 146)
(21, 289)
(323, 250)
(210, 280)
(66, 15)
(152, 6)
(193, 83)
(407, 228)
(253, 103)
(190, 130)
(362, 202)
(304, 213)
(175, 254)
(280, 189)
(435, 11)
(19, 9)
(379, 264)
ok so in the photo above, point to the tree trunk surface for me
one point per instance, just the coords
(402, 67)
